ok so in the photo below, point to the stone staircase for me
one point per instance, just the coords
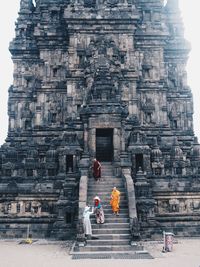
(114, 235)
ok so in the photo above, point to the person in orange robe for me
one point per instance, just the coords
(115, 200)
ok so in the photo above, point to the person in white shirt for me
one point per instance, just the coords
(86, 222)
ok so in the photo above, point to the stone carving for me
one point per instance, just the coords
(27, 4)
(148, 108)
(70, 138)
(119, 72)
(135, 230)
(89, 3)
(182, 206)
(102, 68)
(136, 137)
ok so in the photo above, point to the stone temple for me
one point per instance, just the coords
(102, 79)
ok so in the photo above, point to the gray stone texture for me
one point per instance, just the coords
(85, 65)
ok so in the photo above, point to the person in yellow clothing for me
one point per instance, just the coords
(115, 200)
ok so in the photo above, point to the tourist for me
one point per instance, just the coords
(86, 222)
(96, 169)
(98, 210)
(115, 200)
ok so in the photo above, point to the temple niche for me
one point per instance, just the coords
(109, 83)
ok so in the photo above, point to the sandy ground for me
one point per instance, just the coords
(186, 253)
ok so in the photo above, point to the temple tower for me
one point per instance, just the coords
(106, 80)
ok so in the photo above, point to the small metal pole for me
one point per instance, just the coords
(28, 231)
(164, 248)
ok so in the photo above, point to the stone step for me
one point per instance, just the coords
(107, 169)
(113, 236)
(112, 216)
(108, 180)
(110, 231)
(103, 192)
(123, 213)
(107, 166)
(112, 219)
(131, 255)
(105, 195)
(106, 206)
(107, 172)
(110, 167)
(109, 214)
(105, 199)
(107, 242)
(107, 209)
(107, 225)
(105, 188)
(123, 208)
(110, 248)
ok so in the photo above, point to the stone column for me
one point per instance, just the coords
(62, 163)
(92, 142)
(123, 137)
(116, 144)
(22, 207)
(38, 118)
(74, 164)
(13, 208)
(85, 138)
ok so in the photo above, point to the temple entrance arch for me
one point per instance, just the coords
(104, 144)
(104, 137)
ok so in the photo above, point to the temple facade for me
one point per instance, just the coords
(106, 80)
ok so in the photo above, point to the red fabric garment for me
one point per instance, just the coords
(96, 202)
(96, 169)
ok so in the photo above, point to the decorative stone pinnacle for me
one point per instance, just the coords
(172, 4)
(26, 5)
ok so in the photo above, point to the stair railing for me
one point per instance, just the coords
(130, 190)
(83, 184)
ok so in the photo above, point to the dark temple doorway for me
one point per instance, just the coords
(104, 144)
(139, 162)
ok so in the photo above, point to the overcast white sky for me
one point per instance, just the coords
(8, 14)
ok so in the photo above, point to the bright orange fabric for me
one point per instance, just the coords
(115, 199)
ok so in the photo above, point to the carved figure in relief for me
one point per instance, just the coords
(174, 205)
(182, 207)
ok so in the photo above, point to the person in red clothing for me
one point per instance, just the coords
(96, 169)
(98, 210)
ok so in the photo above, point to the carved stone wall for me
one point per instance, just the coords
(86, 65)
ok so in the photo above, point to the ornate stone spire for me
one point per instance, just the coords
(26, 5)
(195, 151)
(172, 4)
(176, 151)
(156, 154)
